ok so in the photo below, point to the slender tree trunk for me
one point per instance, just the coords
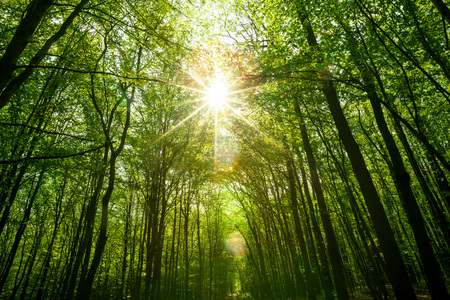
(200, 256)
(86, 284)
(433, 273)
(125, 248)
(20, 232)
(12, 86)
(89, 216)
(327, 283)
(152, 199)
(186, 242)
(27, 26)
(157, 265)
(372, 251)
(438, 214)
(441, 180)
(333, 248)
(48, 257)
(442, 9)
(172, 265)
(31, 263)
(396, 271)
(298, 227)
(12, 196)
(85, 287)
(264, 279)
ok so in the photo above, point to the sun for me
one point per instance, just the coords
(216, 95)
(217, 72)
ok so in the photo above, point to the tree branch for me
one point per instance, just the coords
(93, 72)
(46, 131)
(4, 162)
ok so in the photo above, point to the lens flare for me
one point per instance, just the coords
(236, 245)
(227, 154)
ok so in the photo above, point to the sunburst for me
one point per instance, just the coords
(217, 94)
(216, 91)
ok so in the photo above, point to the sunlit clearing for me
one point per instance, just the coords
(216, 95)
(236, 245)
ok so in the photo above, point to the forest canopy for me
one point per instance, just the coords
(224, 149)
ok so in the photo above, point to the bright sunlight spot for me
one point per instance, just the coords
(216, 95)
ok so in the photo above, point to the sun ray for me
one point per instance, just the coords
(190, 101)
(195, 100)
(215, 135)
(256, 128)
(182, 86)
(234, 101)
(255, 87)
(208, 110)
(176, 126)
(217, 89)
(246, 89)
(197, 79)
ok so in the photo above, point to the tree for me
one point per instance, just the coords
(324, 171)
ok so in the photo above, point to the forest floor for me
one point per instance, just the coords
(421, 295)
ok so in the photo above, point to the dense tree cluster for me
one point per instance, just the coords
(325, 174)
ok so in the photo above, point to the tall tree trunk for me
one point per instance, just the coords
(152, 199)
(327, 283)
(125, 247)
(12, 196)
(333, 248)
(433, 273)
(200, 256)
(438, 214)
(442, 9)
(80, 250)
(298, 227)
(396, 271)
(264, 279)
(85, 288)
(33, 16)
(8, 90)
(373, 253)
(157, 264)
(20, 232)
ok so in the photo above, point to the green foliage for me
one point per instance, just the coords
(185, 183)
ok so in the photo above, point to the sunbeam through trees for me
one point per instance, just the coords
(224, 149)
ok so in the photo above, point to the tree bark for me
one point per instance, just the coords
(442, 9)
(396, 271)
(333, 247)
(298, 227)
(33, 16)
(20, 232)
(326, 281)
(432, 270)
(8, 90)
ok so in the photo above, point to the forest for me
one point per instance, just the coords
(226, 149)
